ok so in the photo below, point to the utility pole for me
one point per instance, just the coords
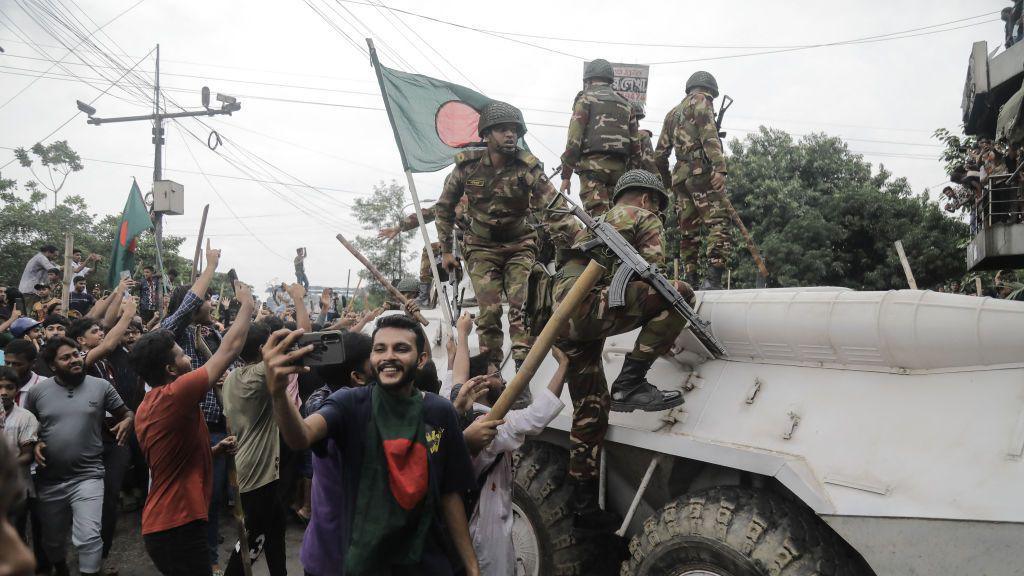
(168, 197)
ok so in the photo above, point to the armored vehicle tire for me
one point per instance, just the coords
(731, 531)
(542, 525)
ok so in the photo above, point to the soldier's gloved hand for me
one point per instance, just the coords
(718, 180)
(449, 262)
(565, 186)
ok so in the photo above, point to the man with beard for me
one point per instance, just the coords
(504, 184)
(174, 438)
(69, 481)
(321, 553)
(406, 463)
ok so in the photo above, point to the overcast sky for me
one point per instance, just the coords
(884, 97)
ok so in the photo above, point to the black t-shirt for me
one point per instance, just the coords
(347, 413)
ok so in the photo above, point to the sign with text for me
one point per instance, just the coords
(630, 81)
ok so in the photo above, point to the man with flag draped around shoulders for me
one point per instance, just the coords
(134, 221)
(406, 462)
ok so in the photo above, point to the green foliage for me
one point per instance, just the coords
(57, 158)
(382, 210)
(25, 225)
(821, 217)
(955, 148)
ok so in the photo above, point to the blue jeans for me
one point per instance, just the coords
(220, 482)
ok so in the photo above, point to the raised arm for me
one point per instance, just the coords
(114, 336)
(116, 297)
(298, 294)
(281, 362)
(233, 341)
(460, 368)
(665, 146)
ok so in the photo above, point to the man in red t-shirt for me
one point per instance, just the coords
(176, 443)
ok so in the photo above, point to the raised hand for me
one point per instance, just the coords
(280, 358)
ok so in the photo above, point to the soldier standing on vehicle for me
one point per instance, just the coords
(638, 196)
(698, 178)
(504, 184)
(603, 141)
(646, 161)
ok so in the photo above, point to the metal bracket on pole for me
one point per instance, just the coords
(639, 495)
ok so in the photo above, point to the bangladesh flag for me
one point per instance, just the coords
(134, 221)
(432, 118)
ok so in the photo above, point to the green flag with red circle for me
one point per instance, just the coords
(134, 221)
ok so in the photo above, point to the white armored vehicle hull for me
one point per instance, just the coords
(896, 418)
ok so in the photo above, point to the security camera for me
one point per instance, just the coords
(89, 110)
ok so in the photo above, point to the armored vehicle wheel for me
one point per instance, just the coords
(729, 531)
(542, 525)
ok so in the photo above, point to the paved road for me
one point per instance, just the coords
(129, 554)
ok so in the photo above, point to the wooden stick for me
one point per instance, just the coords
(65, 290)
(196, 261)
(352, 295)
(751, 246)
(559, 318)
(906, 265)
(379, 277)
(977, 285)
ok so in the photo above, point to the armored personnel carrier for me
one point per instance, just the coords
(846, 433)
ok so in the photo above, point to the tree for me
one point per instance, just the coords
(382, 210)
(59, 160)
(822, 217)
(24, 227)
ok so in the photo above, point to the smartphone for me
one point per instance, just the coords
(328, 348)
(232, 278)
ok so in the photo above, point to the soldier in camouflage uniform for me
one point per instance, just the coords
(603, 141)
(646, 147)
(503, 184)
(638, 196)
(410, 222)
(698, 179)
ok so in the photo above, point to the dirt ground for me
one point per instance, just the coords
(129, 554)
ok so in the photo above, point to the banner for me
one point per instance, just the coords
(630, 81)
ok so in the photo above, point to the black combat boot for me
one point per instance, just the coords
(714, 279)
(423, 298)
(526, 398)
(587, 514)
(631, 390)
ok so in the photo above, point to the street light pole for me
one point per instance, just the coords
(229, 104)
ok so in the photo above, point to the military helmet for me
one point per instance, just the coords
(638, 110)
(702, 79)
(641, 179)
(495, 113)
(599, 68)
(408, 284)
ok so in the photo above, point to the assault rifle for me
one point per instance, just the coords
(633, 264)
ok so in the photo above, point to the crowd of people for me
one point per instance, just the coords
(987, 184)
(123, 403)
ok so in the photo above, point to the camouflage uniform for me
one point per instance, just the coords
(602, 143)
(593, 321)
(647, 152)
(690, 130)
(500, 247)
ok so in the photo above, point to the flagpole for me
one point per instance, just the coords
(446, 310)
